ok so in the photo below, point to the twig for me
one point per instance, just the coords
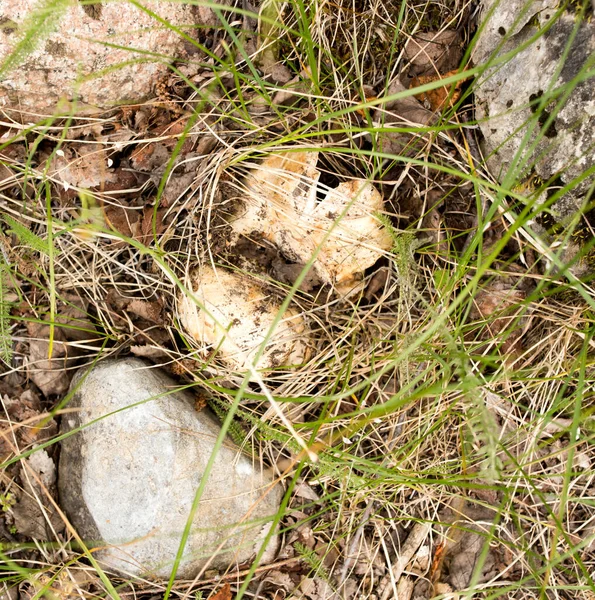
(414, 540)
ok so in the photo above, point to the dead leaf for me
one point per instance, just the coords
(126, 182)
(295, 89)
(174, 131)
(116, 301)
(403, 112)
(433, 52)
(82, 165)
(407, 110)
(123, 220)
(500, 306)
(38, 476)
(183, 176)
(314, 588)
(438, 98)
(151, 311)
(281, 584)
(224, 593)
(465, 540)
(25, 422)
(74, 319)
(206, 143)
(49, 373)
(152, 224)
(148, 351)
(150, 156)
(377, 282)
(304, 490)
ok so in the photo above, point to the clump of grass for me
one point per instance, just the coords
(407, 402)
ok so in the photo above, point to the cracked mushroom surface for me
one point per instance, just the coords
(286, 203)
(239, 314)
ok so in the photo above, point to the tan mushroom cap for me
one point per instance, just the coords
(239, 314)
(282, 204)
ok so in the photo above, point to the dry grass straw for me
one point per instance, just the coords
(401, 434)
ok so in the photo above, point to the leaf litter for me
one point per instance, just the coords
(122, 161)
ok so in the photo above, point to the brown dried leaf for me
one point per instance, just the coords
(49, 373)
(500, 305)
(122, 219)
(437, 98)
(25, 409)
(150, 156)
(83, 165)
(151, 311)
(403, 112)
(377, 282)
(116, 300)
(146, 227)
(433, 52)
(304, 490)
(314, 588)
(125, 181)
(224, 593)
(179, 183)
(466, 538)
(38, 476)
(406, 110)
(277, 581)
(74, 319)
(294, 89)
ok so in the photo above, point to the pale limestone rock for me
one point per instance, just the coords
(505, 92)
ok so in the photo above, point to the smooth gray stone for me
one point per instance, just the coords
(127, 481)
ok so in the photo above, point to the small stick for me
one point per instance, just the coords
(405, 588)
(414, 540)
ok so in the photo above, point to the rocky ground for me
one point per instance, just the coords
(295, 300)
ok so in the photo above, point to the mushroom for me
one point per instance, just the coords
(231, 314)
(282, 205)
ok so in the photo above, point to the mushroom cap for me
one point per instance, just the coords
(283, 206)
(232, 315)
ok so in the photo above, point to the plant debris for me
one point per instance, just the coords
(233, 316)
(340, 232)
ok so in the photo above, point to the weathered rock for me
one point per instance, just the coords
(127, 481)
(503, 20)
(76, 59)
(508, 96)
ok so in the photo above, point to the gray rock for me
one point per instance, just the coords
(127, 481)
(504, 94)
(502, 20)
(74, 58)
